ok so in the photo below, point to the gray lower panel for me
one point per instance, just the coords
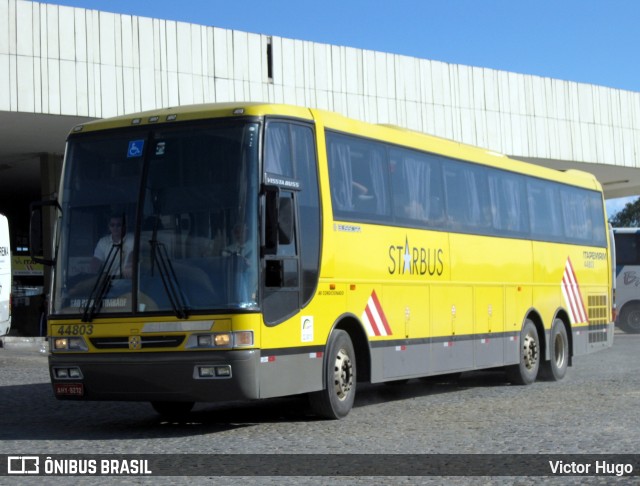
(282, 375)
(400, 361)
(452, 355)
(588, 341)
(160, 376)
(412, 360)
(392, 361)
(511, 346)
(489, 352)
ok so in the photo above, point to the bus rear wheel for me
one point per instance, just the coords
(526, 371)
(556, 367)
(336, 399)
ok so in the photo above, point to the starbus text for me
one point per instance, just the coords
(407, 260)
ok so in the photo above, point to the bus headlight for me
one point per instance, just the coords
(75, 343)
(221, 340)
(204, 341)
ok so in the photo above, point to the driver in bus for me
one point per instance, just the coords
(121, 267)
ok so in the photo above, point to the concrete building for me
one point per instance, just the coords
(61, 65)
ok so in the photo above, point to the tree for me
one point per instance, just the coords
(628, 217)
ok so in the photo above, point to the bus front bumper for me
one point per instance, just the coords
(186, 376)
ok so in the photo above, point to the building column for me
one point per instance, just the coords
(50, 174)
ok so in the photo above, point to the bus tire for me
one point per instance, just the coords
(336, 399)
(556, 367)
(629, 320)
(526, 371)
(172, 410)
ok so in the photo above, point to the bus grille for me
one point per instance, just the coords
(146, 342)
(598, 318)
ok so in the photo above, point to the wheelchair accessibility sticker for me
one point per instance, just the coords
(135, 148)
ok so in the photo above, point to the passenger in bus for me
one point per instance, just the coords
(415, 210)
(364, 199)
(360, 190)
(121, 266)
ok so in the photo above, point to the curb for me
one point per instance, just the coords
(18, 343)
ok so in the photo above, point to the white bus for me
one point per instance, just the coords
(5, 277)
(628, 278)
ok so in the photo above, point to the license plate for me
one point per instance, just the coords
(69, 389)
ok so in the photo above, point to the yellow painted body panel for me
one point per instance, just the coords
(448, 284)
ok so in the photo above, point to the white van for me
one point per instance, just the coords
(5, 277)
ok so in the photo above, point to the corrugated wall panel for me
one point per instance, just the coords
(63, 60)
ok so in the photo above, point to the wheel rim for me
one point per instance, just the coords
(343, 375)
(559, 351)
(530, 348)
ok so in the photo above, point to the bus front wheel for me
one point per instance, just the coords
(336, 399)
(526, 371)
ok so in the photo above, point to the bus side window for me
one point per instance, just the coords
(277, 152)
(359, 172)
(627, 246)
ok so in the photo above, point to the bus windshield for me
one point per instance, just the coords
(159, 219)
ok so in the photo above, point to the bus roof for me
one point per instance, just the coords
(194, 112)
(389, 133)
(450, 148)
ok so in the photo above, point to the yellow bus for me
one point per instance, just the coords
(246, 251)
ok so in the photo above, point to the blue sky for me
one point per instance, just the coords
(589, 41)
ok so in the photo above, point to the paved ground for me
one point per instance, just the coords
(594, 410)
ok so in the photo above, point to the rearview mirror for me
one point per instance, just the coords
(36, 239)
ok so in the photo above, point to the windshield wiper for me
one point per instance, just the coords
(169, 279)
(102, 285)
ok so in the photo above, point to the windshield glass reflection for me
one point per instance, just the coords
(160, 221)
